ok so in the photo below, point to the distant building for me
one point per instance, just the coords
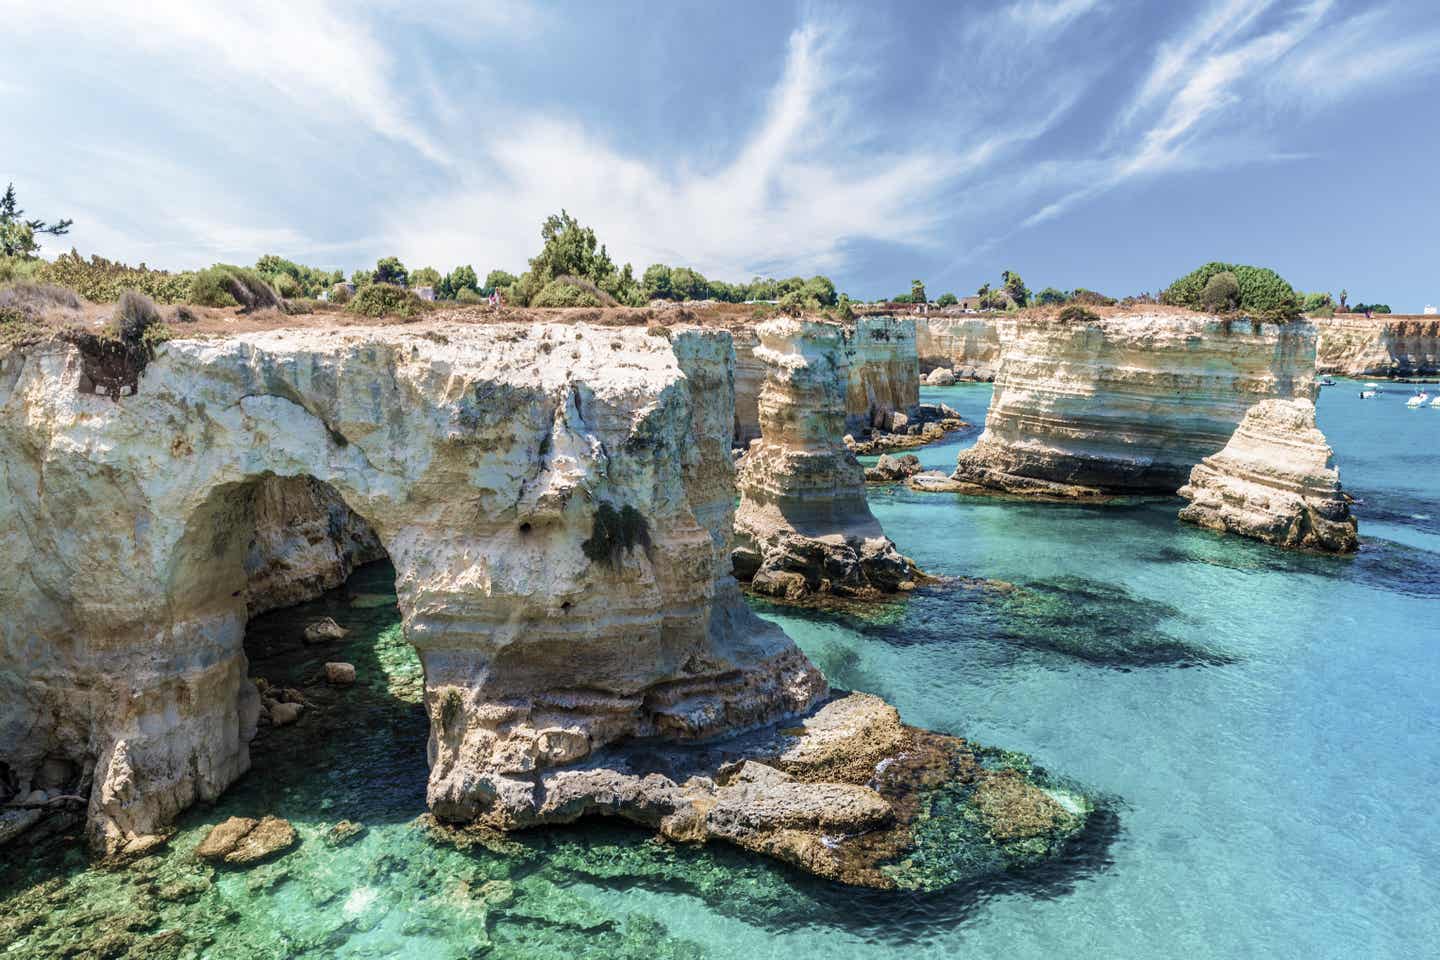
(425, 293)
(1431, 311)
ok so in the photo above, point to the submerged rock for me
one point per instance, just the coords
(325, 630)
(804, 526)
(242, 841)
(849, 793)
(1275, 481)
(340, 674)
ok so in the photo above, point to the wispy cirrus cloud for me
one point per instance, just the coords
(808, 181)
(319, 55)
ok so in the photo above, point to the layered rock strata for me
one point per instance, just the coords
(1357, 346)
(306, 541)
(749, 374)
(1126, 404)
(804, 526)
(882, 371)
(848, 793)
(1275, 481)
(968, 346)
(557, 503)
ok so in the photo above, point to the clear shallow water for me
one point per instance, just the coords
(1264, 725)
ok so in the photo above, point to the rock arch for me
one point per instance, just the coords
(484, 458)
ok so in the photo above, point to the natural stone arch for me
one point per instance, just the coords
(485, 458)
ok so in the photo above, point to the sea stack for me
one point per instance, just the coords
(804, 526)
(1126, 404)
(1275, 481)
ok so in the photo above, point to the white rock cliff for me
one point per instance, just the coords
(1275, 481)
(804, 525)
(1127, 404)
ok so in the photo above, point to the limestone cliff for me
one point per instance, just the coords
(306, 541)
(882, 370)
(1355, 346)
(804, 525)
(556, 500)
(1275, 481)
(968, 346)
(749, 374)
(1127, 404)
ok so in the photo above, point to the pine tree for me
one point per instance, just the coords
(17, 235)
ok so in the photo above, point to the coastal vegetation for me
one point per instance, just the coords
(1218, 287)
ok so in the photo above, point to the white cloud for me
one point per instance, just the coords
(1047, 15)
(319, 55)
(799, 189)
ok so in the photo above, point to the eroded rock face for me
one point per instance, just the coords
(1356, 346)
(883, 371)
(968, 346)
(1275, 481)
(848, 792)
(556, 500)
(1127, 404)
(306, 541)
(749, 375)
(804, 525)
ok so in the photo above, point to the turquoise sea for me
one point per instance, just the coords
(1263, 728)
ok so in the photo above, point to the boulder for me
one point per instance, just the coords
(284, 714)
(340, 674)
(243, 841)
(940, 377)
(324, 630)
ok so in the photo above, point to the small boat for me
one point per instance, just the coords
(1418, 400)
(1369, 394)
(1372, 386)
(1436, 401)
(1325, 382)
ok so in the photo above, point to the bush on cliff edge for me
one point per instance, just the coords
(1263, 293)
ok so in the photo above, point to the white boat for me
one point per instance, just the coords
(1368, 394)
(1418, 400)
(1436, 401)
(1372, 386)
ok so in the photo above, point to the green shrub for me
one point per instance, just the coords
(135, 313)
(386, 300)
(467, 295)
(226, 285)
(794, 303)
(1090, 298)
(1263, 293)
(340, 293)
(102, 281)
(1049, 297)
(946, 300)
(19, 269)
(1076, 314)
(571, 292)
(1221, 293)
(390, 270)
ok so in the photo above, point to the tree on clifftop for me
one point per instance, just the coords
(17, 235)
(917, 291)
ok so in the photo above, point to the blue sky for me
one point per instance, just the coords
(1098, 143)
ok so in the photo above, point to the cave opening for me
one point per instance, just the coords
(340, 689)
